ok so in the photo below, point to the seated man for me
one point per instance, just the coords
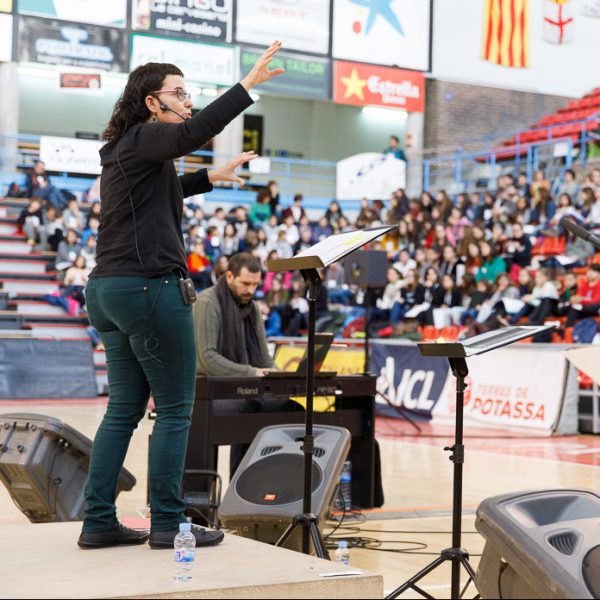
(586, 303)
(231, 339)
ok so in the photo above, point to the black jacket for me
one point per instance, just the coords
(146, 170)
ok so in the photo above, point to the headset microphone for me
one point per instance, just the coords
(165, 108)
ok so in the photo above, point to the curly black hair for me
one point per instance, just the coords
(131, 108)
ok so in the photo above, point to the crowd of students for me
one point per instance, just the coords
(480, 261)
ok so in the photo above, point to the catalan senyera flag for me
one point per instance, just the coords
(506, 32)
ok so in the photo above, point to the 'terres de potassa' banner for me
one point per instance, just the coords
(519, 387)
(362, 85)
(305, 76)
(512, 387)
(69, 44)
(208, 19)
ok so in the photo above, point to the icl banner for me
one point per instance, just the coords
(406, 379)
(70, 155)
(369, 175)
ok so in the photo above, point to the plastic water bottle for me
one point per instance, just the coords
(342, 554)
(184, 553)
(346, 485)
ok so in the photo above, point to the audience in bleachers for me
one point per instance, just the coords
(474, 262)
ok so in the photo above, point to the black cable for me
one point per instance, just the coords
(503, 566)
(422, 532)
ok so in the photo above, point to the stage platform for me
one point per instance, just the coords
(43, 561)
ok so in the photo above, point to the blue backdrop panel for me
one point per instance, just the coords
(407, 378)
(32, 368)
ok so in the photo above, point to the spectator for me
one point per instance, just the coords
(260, 211)
(586, 302)
(292, 234)
(405, 263)
(212, 243)
(394, 148)
(446, 304)
(296, 210)
(89, 252)
(282, 246)
(391, 295)
(198, 265)
(333, 214)
(322, 230)
(229, 242)
(76, 278)
(37, 183)
(305, 240)
(569, 185)
(492, 264)
(540, 302)
(218, 220)
(91, 229)
(451, 265)
(241, 223)
(31, 221)
(518, 249)
(273, 190)
(93, 213)
(543, 208)
(68, 250)
(73, 218)
(53, 228)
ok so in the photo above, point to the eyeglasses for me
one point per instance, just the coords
(181, 94)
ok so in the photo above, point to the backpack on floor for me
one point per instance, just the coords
(585, 331)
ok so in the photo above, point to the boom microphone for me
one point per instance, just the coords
(580, 232)
(165, 108)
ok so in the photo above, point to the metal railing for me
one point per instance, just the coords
(473, 166)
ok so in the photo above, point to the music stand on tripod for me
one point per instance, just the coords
(308, 261)
(457, 353)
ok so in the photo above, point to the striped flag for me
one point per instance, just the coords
(506, 32)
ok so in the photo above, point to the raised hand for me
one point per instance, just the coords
(227, 172)
(260, 71)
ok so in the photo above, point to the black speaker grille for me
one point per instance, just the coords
(269, 450)
(276, 479)
(319, 452)
(563, 542)
(591, 571)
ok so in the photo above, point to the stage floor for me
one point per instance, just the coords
(414, 524)
(42, 561)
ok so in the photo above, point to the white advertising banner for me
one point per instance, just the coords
(530, 45)
(511, 388)
(395, 32)
(369, 175)
(202, 63)
(6, 37)
(112, 13)
(299, 25)
(70, 155)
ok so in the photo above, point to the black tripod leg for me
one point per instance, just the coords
(471, 573)
(318, 541)
(410, 583)
(286, 534)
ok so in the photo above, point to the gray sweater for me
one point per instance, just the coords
(208, 326)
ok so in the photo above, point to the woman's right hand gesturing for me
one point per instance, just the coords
(260, 71)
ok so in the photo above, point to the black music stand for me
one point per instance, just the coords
(457, 353)
(308, 262)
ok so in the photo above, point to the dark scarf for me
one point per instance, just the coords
(239, 339)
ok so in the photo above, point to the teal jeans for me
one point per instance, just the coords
(148, 333)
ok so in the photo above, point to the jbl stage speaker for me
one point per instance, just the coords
(542, 544)
(44, 465)
(266, 491)
(366, 268)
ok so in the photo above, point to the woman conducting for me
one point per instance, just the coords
(136, 295)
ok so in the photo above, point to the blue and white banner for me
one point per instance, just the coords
(406, 379)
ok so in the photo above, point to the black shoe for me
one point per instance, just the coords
(204, 537)
(116, 536)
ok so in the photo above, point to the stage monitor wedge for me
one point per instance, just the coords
(44, 465)
(266, 491)
(540, 544)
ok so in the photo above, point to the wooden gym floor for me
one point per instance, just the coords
(414, 524)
